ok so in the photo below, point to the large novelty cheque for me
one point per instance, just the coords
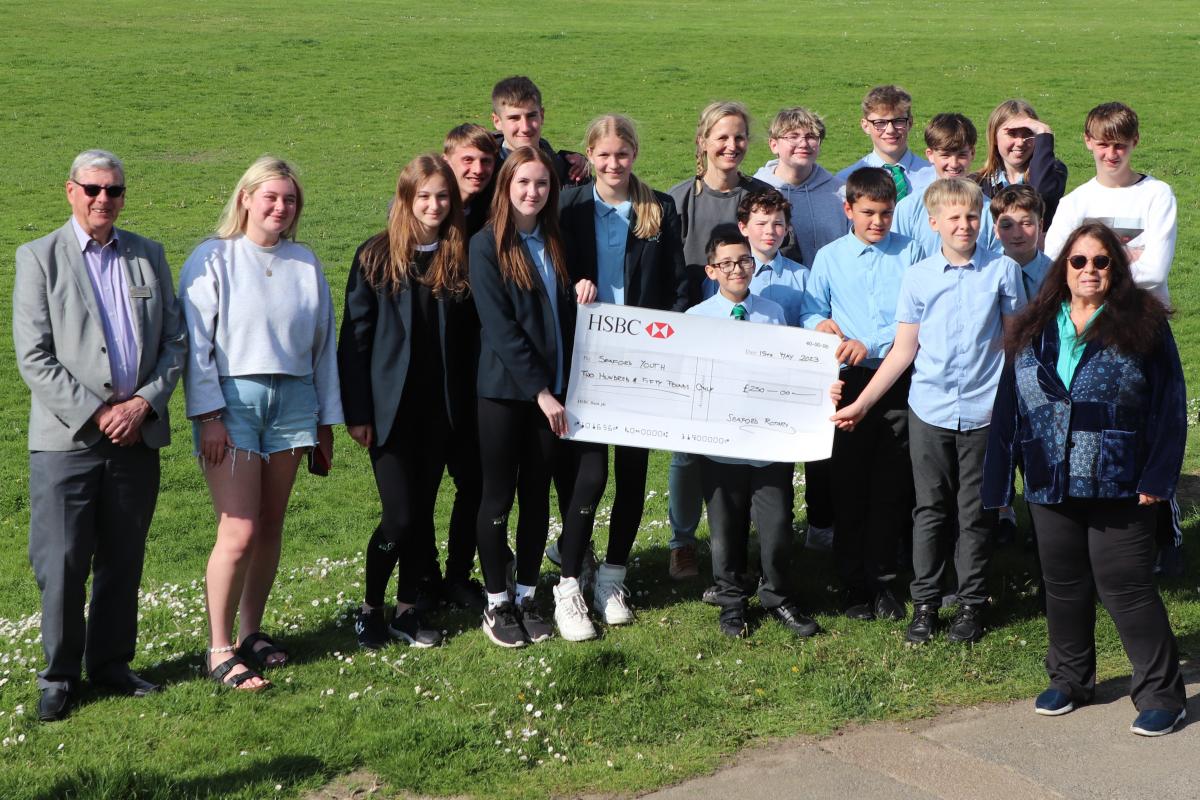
(717, 387)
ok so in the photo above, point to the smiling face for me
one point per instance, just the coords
(725, 144)
(1089, 284)
(1018, 232)
(951, 163)
(612, 160)
(797, 149)
(870, 219)
(528, 191)
(96, 215)
(958, 225)
(270, 209)
(892, 141)
(472, 169)
(765, 231)
(431, 204)
(1112, 159)
(1015, 145)
(521, 124)
(735, 284)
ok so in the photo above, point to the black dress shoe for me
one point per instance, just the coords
(790, 617)
(126, 681)
(967, 625)
(55, 703)
(859, 610)
(887, 606)
(732, 621)
(924, 623)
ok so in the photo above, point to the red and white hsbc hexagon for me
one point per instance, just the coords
(660, 330)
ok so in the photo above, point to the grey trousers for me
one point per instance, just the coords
(947, 468)
(90, 511)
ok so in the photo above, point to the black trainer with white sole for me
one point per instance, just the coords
(536, 628)
(502, 624)
(407, 627)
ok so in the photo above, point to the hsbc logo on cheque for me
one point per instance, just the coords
(660, 330)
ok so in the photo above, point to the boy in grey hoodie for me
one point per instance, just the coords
(817, 218)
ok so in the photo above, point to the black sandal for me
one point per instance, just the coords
(220, 674)
(258, 656)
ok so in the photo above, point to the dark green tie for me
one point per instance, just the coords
(738, 312)
(903, 187)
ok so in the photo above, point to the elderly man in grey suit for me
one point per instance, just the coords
(100, 341)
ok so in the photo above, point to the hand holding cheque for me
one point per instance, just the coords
(693, 384)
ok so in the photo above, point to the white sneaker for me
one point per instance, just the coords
(819, 539)
(571, 613)
(587, 572)
(609, 595)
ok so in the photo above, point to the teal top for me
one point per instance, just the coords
(1070, 348)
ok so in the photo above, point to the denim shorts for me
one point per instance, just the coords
(266, 414)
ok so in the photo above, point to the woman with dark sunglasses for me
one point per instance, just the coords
(1092, 404)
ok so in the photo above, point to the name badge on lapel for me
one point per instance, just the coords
(139, 292)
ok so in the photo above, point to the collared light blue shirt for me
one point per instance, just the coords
(111, 287)
(912, 220)
(782, 281)
(537, 250)
(918, 171)
(1034, 273)
(612, 233)
(857, 285)
(960, 355)
(758, 309)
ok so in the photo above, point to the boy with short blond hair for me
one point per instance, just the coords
(738, 491)
(518, 115)
(951, 316)
(472, 153)
(887, 120)
(852, 293)
(1140, 208)
(795, 137)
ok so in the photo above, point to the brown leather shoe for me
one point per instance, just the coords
(683, 563)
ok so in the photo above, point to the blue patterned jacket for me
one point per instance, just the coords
(1118, 431)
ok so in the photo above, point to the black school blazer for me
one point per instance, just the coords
(655, 272)
(517, 347)
(374, 352)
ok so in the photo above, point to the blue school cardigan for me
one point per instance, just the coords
(1117, 431)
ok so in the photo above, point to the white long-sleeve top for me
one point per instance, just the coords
(1148, 206)
(254, 310)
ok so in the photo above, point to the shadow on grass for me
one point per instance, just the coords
(120, 781)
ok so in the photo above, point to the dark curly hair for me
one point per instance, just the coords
(1132, 320)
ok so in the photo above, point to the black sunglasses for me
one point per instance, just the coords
(94, 189)
(1099, 262)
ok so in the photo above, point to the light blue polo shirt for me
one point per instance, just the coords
(857, 285)
(912, 220)
(781, 281)
(960, 355)
(537, 250)
(918, 171)
(612, 233)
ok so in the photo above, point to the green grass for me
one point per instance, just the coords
(190, 94)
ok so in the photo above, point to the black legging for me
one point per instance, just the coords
(589, 467)
(516, 455)
(463, 464)
(408, 471)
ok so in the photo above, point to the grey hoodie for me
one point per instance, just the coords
(817, 215)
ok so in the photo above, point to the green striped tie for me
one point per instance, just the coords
(738, 312)
(903, 187)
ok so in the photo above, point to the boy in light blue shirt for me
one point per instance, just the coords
(852, 293)
(951, 316)
(887, 119)
(738, 491)
(1018, 211)
(762, 218)
(950, 147)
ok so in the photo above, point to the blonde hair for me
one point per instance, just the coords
(953, 191)
(645, 204)
(267, 168)
(887, 96)
(387, 259)
(796, 119)
(1009, 109)
(709, 117)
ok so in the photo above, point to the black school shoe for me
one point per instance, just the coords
(466, 594)
(790, 617)
(967, 626)
(536, 628)
(406, 626)
(502, 624)
(732, 621)
(55, 703)
(371, 629)
(887, 606)
(924, 623)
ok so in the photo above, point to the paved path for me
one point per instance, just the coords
(1003, 752)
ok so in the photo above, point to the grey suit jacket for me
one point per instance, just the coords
(59, 338)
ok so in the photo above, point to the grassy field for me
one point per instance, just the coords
(189, 94)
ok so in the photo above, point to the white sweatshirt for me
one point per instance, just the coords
(255, 310)
(1147, 206)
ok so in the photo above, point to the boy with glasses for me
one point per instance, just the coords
(887, 119)
(738, 490)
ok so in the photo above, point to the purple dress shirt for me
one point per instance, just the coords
(107, 273)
